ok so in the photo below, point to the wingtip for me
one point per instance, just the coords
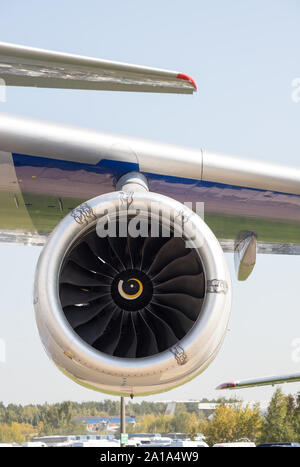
(187, 78)
(226, 386)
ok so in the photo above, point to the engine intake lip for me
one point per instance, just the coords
(102, 371)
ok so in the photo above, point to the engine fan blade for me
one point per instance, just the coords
(110, 338)
(102, 250)
(171, 250)
(75, 275)
(147, 344)
(77, 315)
(72, 295)
(151, 246)
(93, 330)
(119, 248)
(127, 344)
(84, 257)
(182, 266)
(189, 285)
(177, 321)
(190, 306)
(165, 337)
(172, 290)
(135, 246)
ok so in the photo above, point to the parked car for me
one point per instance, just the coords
(278, 445)
(34, 444)
(188, 443)
(236, 444)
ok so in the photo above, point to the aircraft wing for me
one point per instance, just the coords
(27, 66)
(266, 381)
(47, 169)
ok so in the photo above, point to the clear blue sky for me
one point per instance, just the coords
(244, 56)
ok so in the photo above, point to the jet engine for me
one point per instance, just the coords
(132, 293)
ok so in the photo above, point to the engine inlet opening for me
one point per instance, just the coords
(131, 297)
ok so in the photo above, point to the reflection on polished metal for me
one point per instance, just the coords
(63, 142)
(28, 66)
(28, 238)
(245, 254)
(132, 181)
(22, 238)
(68, 166)
(265, 248)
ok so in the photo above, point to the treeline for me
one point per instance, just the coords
(281, 422)
(181, 422)
(228, 423)
(233, 422)
(19, 422)
(62, 413)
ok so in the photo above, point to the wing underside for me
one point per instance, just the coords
(47, 169)
(26, 66)
(266, 381)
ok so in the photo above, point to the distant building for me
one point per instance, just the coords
(103, 423)
(209, 408)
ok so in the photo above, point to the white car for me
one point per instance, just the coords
(188, 443)
(236, 444)
(8, 445)
(96, 443)
(34, 444)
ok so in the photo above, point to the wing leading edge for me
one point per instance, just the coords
(267, 381)
(27, 66)
(53, 168)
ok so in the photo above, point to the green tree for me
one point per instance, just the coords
(231, 423)
(296, 418)
(15, 432)
(279, 424)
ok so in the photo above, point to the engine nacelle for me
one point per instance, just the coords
(132, 294)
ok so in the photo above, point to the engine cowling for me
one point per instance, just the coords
(132, 294)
